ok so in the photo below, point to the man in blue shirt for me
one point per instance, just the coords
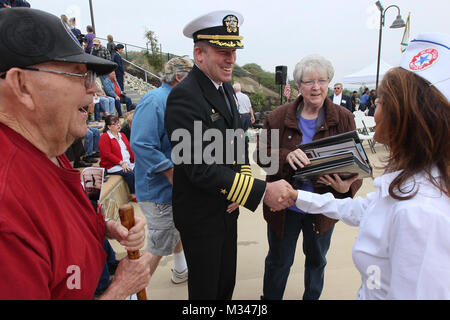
(112, 89)
(154, 170)
(364, 102)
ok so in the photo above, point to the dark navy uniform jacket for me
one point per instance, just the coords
(202, 192)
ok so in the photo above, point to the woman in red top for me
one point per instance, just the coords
(115, 153)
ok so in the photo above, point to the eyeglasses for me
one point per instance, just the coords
(89, 76)
(337, 88)
(310, 83)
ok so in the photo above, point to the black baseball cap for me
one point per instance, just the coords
(30, 36)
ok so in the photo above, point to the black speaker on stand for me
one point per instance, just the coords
(280, 79)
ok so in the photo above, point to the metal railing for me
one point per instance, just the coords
(166, 55)
(147, 75)
(126, 45)
(142, 69)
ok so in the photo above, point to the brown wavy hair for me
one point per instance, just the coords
(415, 122)
(109, 120)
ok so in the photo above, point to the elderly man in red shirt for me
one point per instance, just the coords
(51, 239)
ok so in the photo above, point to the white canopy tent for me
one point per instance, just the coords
(368, 75)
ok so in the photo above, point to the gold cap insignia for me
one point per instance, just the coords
(231, 22)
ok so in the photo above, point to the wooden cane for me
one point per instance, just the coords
(126, 213)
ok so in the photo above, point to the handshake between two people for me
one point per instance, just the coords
(280, 194)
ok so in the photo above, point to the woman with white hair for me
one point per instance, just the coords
(311, 116)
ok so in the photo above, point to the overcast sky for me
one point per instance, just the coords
(275, 32)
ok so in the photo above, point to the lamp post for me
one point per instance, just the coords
(92, 15)
(398, 23)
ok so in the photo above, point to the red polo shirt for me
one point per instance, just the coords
(51, 239)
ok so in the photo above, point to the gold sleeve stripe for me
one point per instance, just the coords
(236, 178)
(238, 188)
(244, 189)
(247, 193)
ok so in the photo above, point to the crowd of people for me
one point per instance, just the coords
(55, 245)
(110, 93)
(365, 103)
(110, 149)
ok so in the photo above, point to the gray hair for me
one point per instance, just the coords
(203, 45)
(312, 63)
(177, 65)
(171, 77)
(237, 86)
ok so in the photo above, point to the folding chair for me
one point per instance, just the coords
(364, 134)
(369, 122)
(358, 114)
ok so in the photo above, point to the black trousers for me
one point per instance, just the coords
(211, 262)
(76, 150)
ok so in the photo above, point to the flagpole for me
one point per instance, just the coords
(405, 39)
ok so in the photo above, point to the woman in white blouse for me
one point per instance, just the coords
(403, 245)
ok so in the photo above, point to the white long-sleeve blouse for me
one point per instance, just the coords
(402, 250)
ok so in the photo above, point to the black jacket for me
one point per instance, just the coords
(202, 192)
(346, 101)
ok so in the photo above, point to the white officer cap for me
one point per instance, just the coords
(218, 28)
(428, 56)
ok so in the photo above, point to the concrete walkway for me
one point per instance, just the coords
(342, 280)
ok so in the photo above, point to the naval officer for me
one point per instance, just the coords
(207, 193)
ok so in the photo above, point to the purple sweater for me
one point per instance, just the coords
(89, 40)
